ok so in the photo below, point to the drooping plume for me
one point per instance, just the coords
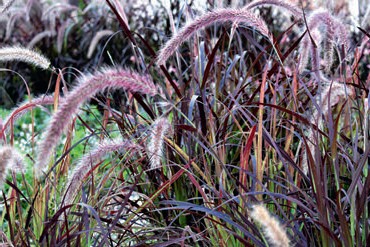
(220, 15)
(114, 78)
(39, 37)
(335, 33)
(86, 163)
(17, 53)
(98, 36)
(274, 232)
(156, 140)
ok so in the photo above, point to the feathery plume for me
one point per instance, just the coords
(335, 32)
(88, 86)
(88, 160)
(332, 93)
(156, 140)
(9, 159)
(19, 14)
(23, 108)
(39, 37)
(95, 40)
(220, 15)
(275, 234)
(315, 20)
(342, 37)
(5, 156)
(11, 53)
(296, 12)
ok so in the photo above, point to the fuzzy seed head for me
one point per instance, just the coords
(272, 229)
(220, 15)
(335, 33)
(98, 36)
(10, 159)
(160, 128)
(17, 53)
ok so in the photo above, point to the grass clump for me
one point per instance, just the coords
(247, 134)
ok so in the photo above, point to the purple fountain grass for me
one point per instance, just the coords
(335, 32)
(23, 108)
(156, 140)
(86, 163)
(328, 21)
(220, 15)
(296, 12)
(115, 78)
(10, 159)
(273, 231)
(316, 19)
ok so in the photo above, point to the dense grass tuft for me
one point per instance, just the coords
(222, 126)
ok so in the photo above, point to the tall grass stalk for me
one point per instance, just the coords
(88, 86)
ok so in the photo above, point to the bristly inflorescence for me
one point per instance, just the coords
(86, 163)
(159, 129)
(272, 229)
(18, 53)
(38, 37)
(219, 15)
(335, 33)
(10, 159)
(94, 42)
(108, 78)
